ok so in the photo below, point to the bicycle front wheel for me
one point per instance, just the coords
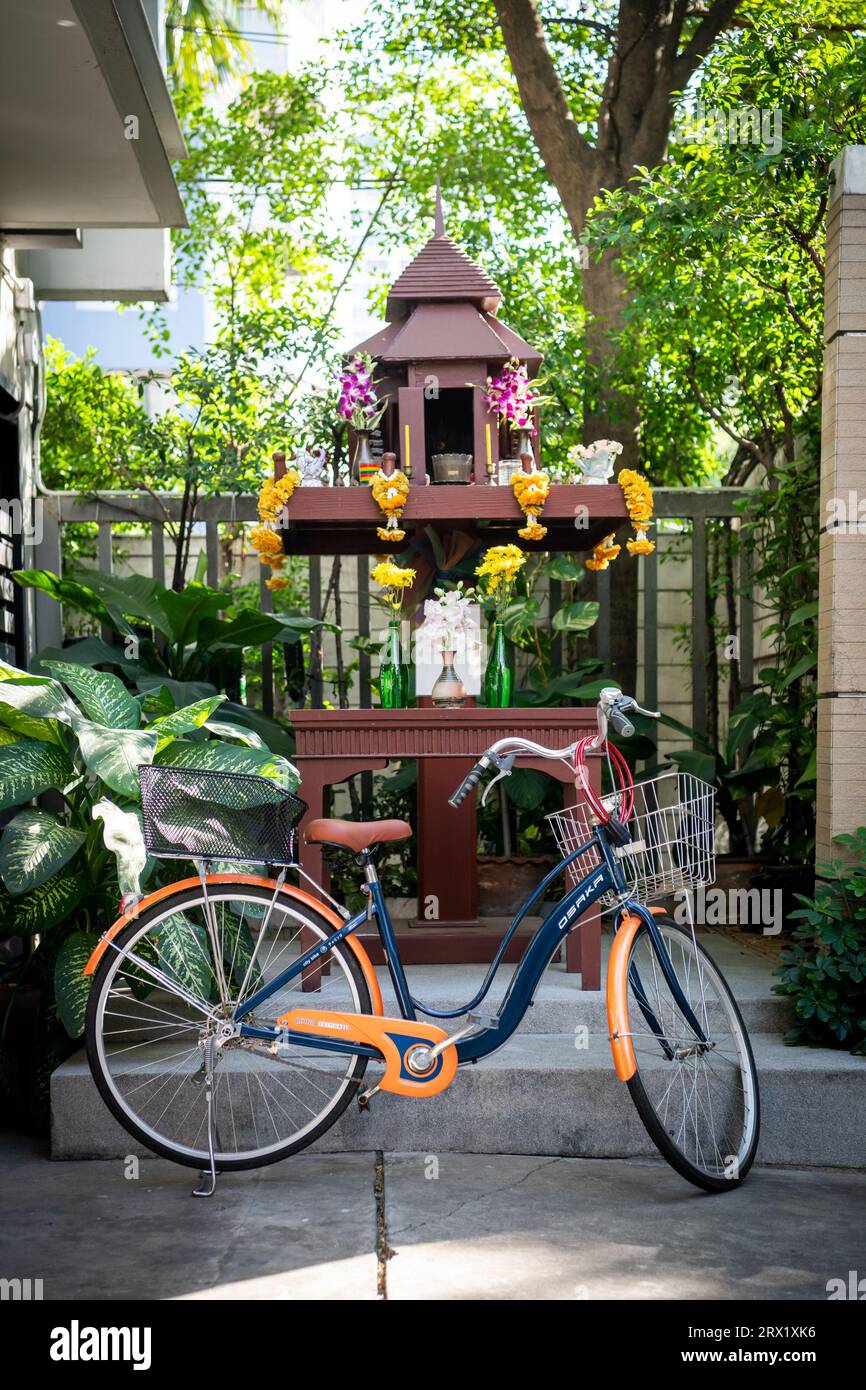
(148, 1039)
(697, 1096)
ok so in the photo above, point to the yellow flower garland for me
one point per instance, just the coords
(390, 493)
(268, 545)
(267, 542)
(276, 492)
(531, 490)
(639, 501)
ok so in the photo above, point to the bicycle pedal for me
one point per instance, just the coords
(365, 1097)
(483, 1020)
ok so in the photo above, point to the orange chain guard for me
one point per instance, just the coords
(395, 1038)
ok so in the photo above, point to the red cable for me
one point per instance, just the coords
(624, 777)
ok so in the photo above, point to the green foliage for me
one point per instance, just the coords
(824, 972)
(58, 881)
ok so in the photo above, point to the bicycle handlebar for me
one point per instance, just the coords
(471, 780)
(612, 707)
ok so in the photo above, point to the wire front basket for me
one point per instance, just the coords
(189, 813)
(672, 830)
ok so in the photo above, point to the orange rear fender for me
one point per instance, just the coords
(295, 894)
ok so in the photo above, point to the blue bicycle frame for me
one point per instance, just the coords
(539, 952)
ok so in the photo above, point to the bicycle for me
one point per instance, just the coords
(208, 1044)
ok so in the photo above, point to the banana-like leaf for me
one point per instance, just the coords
(225, 757)
(190, 609)
(39, 698)
(103, 697)
(91, 651)
(43, 907)
(74, 595)
(28, 768)
(71, 985)
(33, 846)
(184, 954)
(115, 755)
(133, 595)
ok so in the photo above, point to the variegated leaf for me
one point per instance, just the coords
(71, 985)
(103, 697)
(28, 768)
(33, 846)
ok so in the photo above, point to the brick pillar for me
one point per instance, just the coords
(842, 590)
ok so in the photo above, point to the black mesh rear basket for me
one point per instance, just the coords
(192, 814)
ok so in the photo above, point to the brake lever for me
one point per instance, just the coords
(505, 766)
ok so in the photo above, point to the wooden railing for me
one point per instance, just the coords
(696, 506)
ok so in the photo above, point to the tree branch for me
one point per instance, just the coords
(714, 19)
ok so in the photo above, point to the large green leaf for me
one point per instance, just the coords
(189, 610)
(71, 985)
(24, 726)
(700, 765)
(526, 788)
(103, 697)
(576, 617)
(73, 594)
(184, 954)
(226, 757)
(9, 735)
(39, 698)
(163, 695)
(186, 720)
(28, 768)
(133, 595)
(565, 568)
(248, 629)
(115, 755)
(33, 846)
(277, 737)
(92, 651)
(224, 728)
(43, 907)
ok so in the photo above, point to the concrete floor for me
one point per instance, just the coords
(456, 1226)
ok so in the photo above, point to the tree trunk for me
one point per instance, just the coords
(646, 66)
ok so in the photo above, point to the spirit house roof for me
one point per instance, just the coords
(443, 307)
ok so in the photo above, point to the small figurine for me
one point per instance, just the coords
(311, 463)
(596, 461)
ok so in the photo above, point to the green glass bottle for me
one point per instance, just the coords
(499, 673)
(393, 672)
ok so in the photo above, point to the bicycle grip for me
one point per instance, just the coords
(470, 781)
(620, 723)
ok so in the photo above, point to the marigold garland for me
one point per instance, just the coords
(390, 493)
(268, 545)
(603, 553)
(276, 492)
(531, 491)
(639, 500)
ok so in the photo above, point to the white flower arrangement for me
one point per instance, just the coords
(448, 617)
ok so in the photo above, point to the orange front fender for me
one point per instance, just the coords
(296, 894)
(617, 996)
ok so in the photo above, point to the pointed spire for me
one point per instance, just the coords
(439, 222)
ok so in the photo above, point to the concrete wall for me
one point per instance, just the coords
(841, 803)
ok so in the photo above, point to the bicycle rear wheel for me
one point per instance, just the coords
(698, 1099)
(147, 1040)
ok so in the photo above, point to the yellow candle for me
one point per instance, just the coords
(407, 467)
(489, 454)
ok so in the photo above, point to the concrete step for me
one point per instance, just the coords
(541, 1094)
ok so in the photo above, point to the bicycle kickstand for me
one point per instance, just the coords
(207, 1181)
